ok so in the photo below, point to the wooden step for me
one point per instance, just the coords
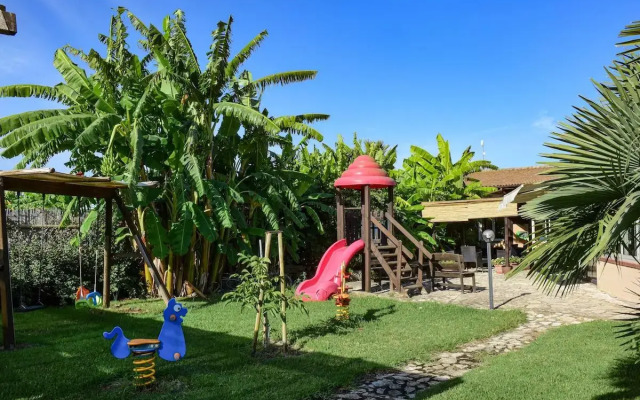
(414, 286)
(387, 247)
(378, 267)
(411, 288)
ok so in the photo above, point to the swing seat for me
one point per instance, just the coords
(24, 308)
(82, 303)
(94, 298)
(82, 293)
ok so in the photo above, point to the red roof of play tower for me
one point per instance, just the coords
(364, 171)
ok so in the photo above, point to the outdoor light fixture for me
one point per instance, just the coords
(489, 236)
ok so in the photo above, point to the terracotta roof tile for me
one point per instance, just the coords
(511, 177)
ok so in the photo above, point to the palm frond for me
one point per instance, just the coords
(282, 78)
(246, 115)
(37, 91)
(244, 54)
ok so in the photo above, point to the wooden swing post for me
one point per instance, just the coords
(256, 326)
(283, 306)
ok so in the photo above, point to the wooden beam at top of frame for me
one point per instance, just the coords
(60, 188)
(30, 171)
(8, 25)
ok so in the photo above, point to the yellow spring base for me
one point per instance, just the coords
(144, 368)
(342, 313)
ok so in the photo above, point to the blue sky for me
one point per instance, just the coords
(400, 71)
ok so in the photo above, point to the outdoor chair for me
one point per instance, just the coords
(471, 256)
(451, 266)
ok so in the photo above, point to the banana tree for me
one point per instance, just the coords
(426, 177)
(177, 123)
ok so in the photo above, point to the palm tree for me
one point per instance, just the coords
(593, 202)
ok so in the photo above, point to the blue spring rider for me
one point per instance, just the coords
(170, 344)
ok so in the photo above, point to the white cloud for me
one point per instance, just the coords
(545, 122)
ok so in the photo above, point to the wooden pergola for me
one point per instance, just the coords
(47, 181)
(8, 24)
(507, 207)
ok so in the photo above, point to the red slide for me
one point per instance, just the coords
(325, 282)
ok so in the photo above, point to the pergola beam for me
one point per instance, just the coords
(47, 181)
(8, 25)
(162, 289)
(106, 273)
(6, 303)
(60, 188)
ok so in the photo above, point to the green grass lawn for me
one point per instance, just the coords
(63, 354)
(574, 362)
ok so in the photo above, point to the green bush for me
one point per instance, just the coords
(44, 260)
(512, 260)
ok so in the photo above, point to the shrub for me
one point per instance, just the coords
(44, 260)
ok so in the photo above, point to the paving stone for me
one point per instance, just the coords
(352, 396)
(543, 313)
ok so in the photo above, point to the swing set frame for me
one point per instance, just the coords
(48, 181)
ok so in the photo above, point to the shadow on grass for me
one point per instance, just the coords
(624, 377)
(332, 326)
(70, 359)
(440, 388)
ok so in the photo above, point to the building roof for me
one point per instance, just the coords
(511, 177)
(466, 210)
(364, 171)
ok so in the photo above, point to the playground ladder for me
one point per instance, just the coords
(403, 269)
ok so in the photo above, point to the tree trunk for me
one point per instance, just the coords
(204, 266)
(147, 274)
(168, 279)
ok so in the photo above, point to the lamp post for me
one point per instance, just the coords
(488, 236)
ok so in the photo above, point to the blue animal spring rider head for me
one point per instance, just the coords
(170, 344)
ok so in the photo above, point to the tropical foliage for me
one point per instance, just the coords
(425, 177)
(593, 201)
(325, 165)
(201, 133)
(225, 169)
(259, 290)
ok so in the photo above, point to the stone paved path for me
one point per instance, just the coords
(520, 292)
(584, 303)
(417, 376)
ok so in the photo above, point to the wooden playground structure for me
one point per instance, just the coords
(47, 181)
(384, 250)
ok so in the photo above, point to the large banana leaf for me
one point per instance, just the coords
(156, 234)
(180, 234)
(202, 222)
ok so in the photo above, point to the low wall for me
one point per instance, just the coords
(618, 279)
